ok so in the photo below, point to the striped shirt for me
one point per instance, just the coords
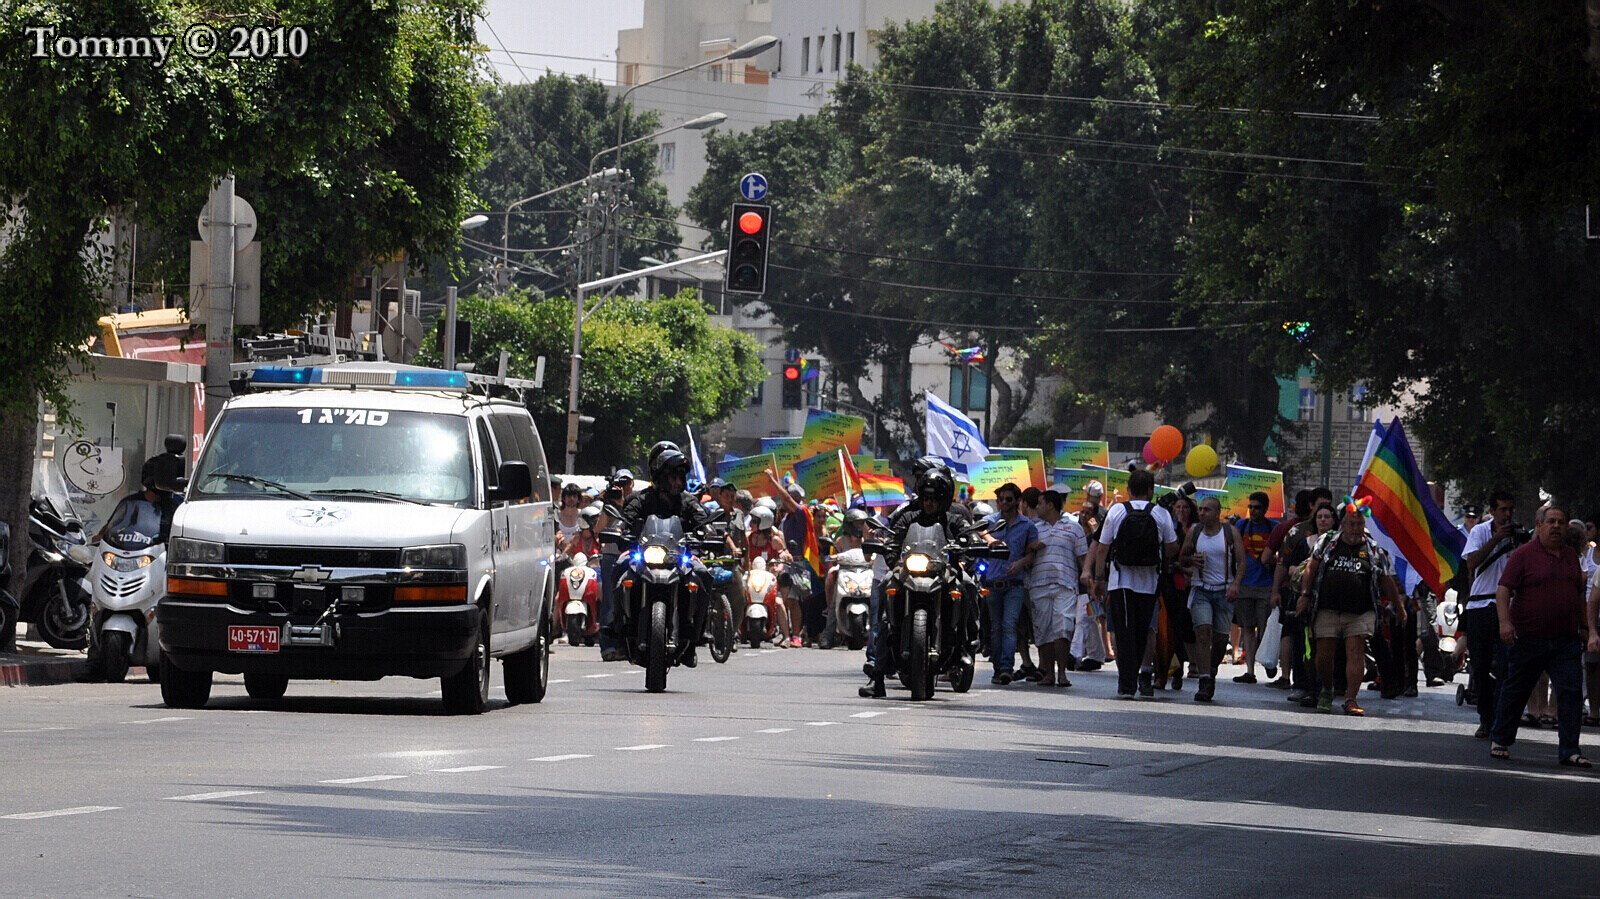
(1057, 563)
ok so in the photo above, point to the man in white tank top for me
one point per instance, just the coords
(1215, 557)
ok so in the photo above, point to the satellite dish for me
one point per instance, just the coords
(244, 229)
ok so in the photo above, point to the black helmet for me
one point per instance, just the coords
(924, 465)
(667, 460)
(936, 485)
(856, 516)
(658, 449)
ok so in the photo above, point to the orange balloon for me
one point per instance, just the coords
(1167, 442)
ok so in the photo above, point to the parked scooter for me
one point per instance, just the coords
(56, 589)
(853, 584)
(578, 614)
(762, 605)
(130, 577)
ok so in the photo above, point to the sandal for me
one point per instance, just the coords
(1351, 708)
(1500, 753)
(1045, 683)
(1529, 719)
(1591, 720)
(1575, 761)
(1547, 720)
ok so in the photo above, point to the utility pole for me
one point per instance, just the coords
(450, 329)
(219, 298)
(1327, 438)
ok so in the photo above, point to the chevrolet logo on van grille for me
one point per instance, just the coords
(311, 574)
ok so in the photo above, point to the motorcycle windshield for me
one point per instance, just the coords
(135, 524)
(658, 531)
(927, 539)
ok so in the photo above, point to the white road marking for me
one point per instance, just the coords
(643, 746)
(362, 780)
(868, 714)
(600, 675)
(31, 730)
(562, 758)
(775, 730)
(564, 680)
(157, 720)
(466, 769)
(713, 739)
(80, 810)
(202, 797)
(820, 723)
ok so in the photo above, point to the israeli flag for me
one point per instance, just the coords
(952, 436)
(697, 470)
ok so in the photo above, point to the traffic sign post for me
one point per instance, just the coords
(753, 187)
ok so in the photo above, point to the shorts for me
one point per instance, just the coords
(1250, 610)
(1210, 608)
(1331, 625)
(1055, 613)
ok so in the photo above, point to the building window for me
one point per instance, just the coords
(822, 41)
(759, 395)
(837, 39)
(630, 73)
(977, 388)
(1308, 404)
(1355, 411)
(805, 54)
(850, 47)
(669, 158)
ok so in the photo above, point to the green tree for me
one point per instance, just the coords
(649, 368)
(90, 137)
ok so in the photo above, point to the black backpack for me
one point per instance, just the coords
(1138, 540)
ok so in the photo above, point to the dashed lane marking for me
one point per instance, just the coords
(363, 780)
(465, 769)
(157, 720)
(562, 758)
(564, 680)
(80, 810)
(222, 794)
(868, 714)
(591, 676)
(32, 730)
(643, 746)
(713, 739)
(820, 723)
(775, 730)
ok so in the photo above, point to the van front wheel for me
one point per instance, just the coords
(467, 691)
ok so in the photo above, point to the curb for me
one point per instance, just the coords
(32, 671)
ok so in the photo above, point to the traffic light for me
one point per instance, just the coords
(585, 430)
(750, 226)
(791, 386)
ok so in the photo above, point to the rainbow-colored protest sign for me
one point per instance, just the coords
(1244, 481)
(749, 473)
(1115, 480)
(826, 430)
(786, 450)
(1082, 453)
(1034, 458)
(987, 476)
(820, 475)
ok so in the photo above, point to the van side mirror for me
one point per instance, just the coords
(516, 482)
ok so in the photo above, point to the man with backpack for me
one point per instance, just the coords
(1137, 539)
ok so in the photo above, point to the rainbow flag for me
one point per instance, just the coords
(882, 490)
(1403, 505)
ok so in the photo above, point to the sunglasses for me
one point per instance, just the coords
(1256, 508)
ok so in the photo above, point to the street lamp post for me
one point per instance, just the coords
(578, 315)
(476, 221)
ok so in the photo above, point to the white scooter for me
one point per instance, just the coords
(129, 575)
(580, 609)
(853, 584)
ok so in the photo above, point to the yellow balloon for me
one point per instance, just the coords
(1202, 460)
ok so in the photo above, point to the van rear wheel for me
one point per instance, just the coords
(467, 691)
(262, 685)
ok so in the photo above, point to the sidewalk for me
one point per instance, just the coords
(36, 663)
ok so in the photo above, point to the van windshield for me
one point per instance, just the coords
(273, 453)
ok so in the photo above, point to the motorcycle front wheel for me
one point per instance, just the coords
(65, 624)
(721, 628)
(655, 671)
(118, 654)
(919, 674)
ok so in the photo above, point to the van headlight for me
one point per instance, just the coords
(449, 556)
(917, 563)
(200, 552)
(655, 555)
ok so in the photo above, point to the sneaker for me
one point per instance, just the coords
(1147, 683)
(1272, 671)
(1249, 677)
(796, 642)
(1310, 702)
(1122, 695)
(1296, 695)
(1206, 689)
(1325, 701)
(1436, 681)
(872, 690)
(692, 659)
(1088, 665)
(1001, 678)
(1482, 732)
(1281, 683)
(1350, 708)
(1410, 692)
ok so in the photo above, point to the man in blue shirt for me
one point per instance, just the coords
(1005, 582)
(1251, 609)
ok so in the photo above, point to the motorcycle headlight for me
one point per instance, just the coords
(758, 581)
(203, 552)
(917, 563)
(1447, 644)
(449, 556)
(655, 555)
(109, 558)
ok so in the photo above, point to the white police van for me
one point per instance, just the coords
(361, 520)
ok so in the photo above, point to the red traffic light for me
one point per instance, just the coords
(750, 222)
(791, 372)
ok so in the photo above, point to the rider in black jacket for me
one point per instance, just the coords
(666, 497)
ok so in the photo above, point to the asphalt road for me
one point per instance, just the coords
(769, 777)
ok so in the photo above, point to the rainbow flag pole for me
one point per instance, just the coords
(1403, 505)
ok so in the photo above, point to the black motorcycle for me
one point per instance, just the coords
(661, 589)
(926, 624)
(55, 592)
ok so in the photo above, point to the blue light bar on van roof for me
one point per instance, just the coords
(426, 379)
